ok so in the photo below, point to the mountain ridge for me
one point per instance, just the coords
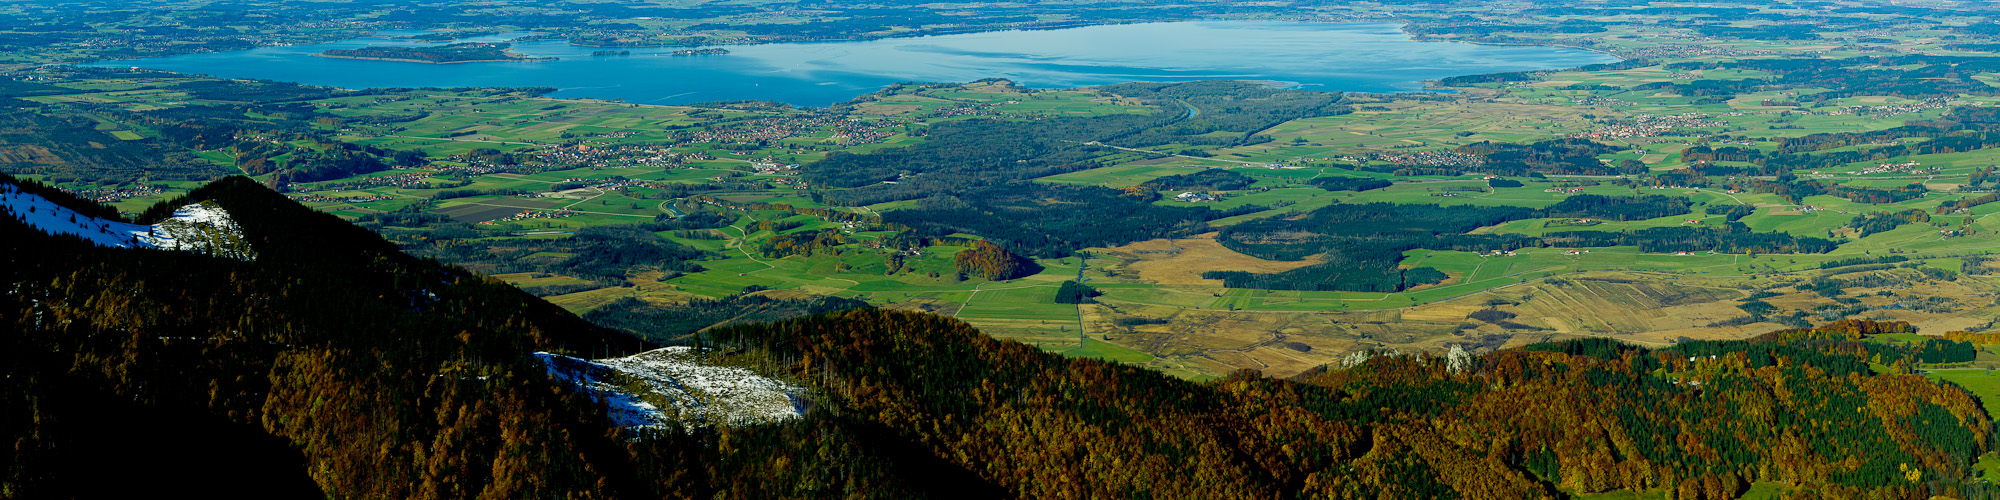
(395, 377)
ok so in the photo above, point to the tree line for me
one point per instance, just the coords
(1361, 245)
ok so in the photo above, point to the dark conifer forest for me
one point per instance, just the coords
(335, 365)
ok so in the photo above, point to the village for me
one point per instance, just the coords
(533, 214)
(109, 195)
(777, 128)
(1888, 109)
(1651, 126)
(1909, 167)
(313, 198)
(1431, 159)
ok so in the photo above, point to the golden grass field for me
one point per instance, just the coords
(1650, 309)
(1181, 261)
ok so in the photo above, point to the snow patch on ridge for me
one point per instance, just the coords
(198, 227)
(657, 387)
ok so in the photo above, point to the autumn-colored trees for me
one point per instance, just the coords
(384, 376)
(805, 243)
(1948, 207)
(990, 261)
(1701, 419)
(1976, 338)
(391, 376)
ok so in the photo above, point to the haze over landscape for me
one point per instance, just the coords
(1612, 249)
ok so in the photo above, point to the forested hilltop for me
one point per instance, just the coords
(340, 367)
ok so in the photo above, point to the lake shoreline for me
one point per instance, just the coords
(395, 59)
(1302, 54)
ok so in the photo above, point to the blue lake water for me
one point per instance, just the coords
(1358, 57)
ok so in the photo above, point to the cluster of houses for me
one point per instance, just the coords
(1887, 109)
(1195, 197)
(313, 198)
(602, 154)
(532, 214)
(472, 169)
(1911, 167)
(413, 180)
(573, 156)
(1591, 100)
(1651, 126)
(794, 182)
(773, 168)
(109, 195)
(1673, 51)
(612, 183)
(1432, 159)
(964, 110)
(788, 126)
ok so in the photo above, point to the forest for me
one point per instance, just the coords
(257, 122)
(1213, 179)
(605, 255)
(1877, 222)
(1550, 157)
(1700, 420)
(1237, 109)
(990, 261)
(1362, 245)
(1731, 237)
(1342, 183)
(969, 174)
(336, 350)
(69, 148)
(1928, 77)
(676, 324)
(1024, 217)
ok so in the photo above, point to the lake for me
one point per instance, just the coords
(1356, 57)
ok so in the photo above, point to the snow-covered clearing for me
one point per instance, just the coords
(199, 227)
(673, 385)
